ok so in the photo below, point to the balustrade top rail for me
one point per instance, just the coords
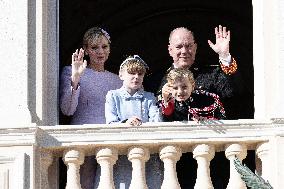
(152, 135)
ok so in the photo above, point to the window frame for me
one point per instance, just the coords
(265, 50)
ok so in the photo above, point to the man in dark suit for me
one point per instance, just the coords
(223, 78)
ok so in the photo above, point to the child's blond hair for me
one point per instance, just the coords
(134, 64)
(178, 74)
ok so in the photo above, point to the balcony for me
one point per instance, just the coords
(29, 156)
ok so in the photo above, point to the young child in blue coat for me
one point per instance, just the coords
(131, 104)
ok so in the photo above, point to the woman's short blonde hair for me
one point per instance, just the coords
(93, 34)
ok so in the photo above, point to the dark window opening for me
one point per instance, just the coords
(143, 27)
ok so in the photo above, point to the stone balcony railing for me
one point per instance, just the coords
(41, 146)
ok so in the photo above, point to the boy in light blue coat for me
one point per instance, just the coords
(131, 104)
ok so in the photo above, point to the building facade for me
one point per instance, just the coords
(31, 139)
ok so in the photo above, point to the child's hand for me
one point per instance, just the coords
(166, 92)
(134, 121)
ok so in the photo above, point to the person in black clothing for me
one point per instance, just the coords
(183, 103)
(223, 79)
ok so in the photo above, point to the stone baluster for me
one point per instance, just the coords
(262, 151)
(232, 151)
(203, 154)
(106, 157)
(73, 159)
(170, 155)
(45, 161)
(138, 156)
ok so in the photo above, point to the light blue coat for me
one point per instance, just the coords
(120, 105)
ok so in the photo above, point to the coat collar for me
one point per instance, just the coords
(138, 95)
